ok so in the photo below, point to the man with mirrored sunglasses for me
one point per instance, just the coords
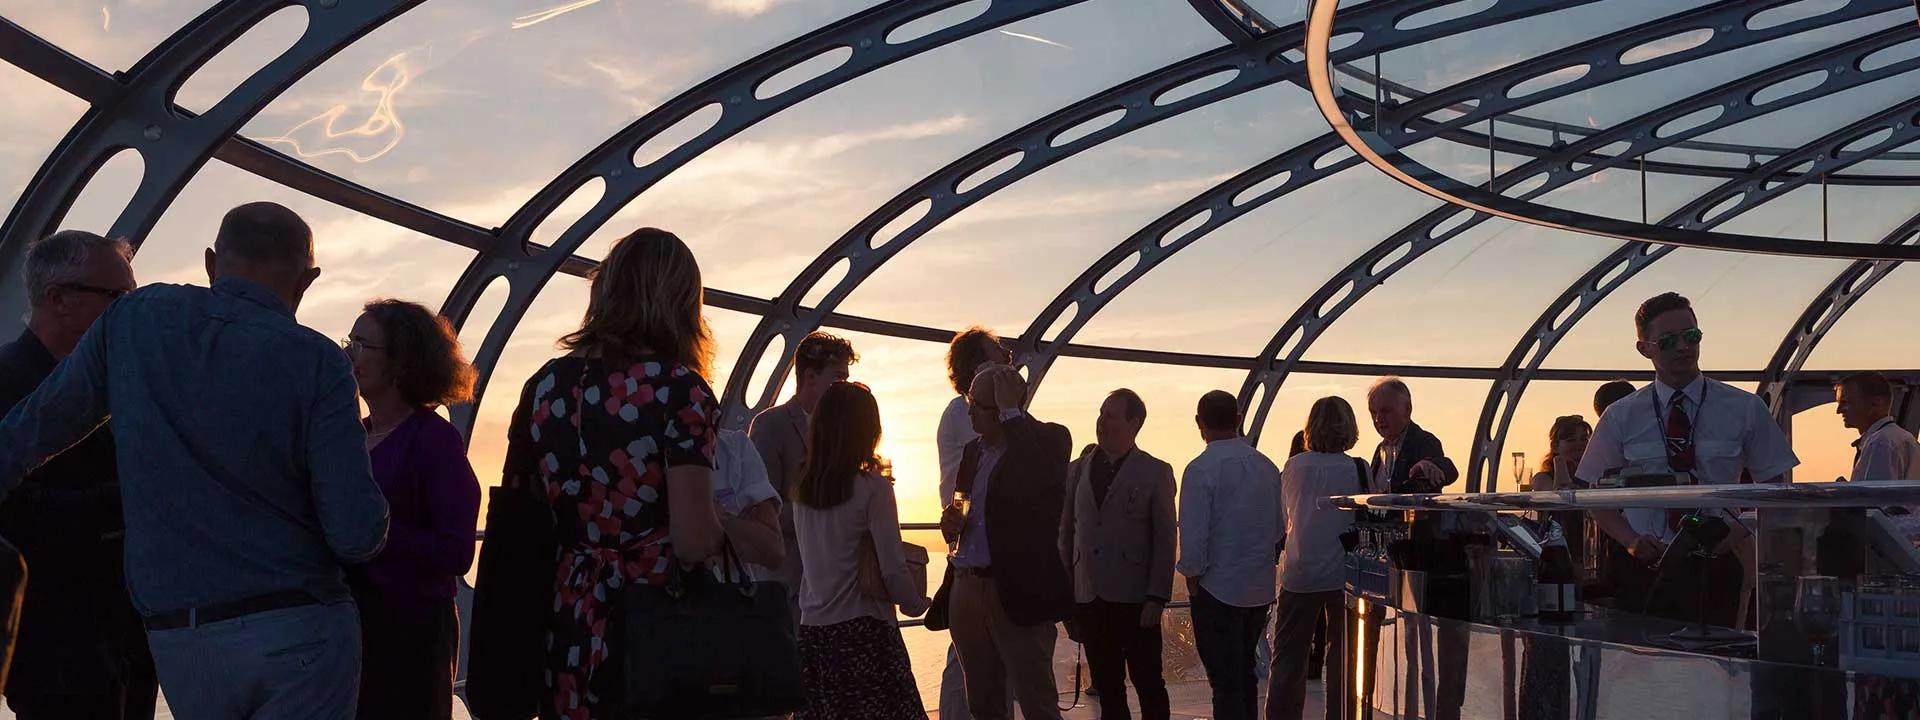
(1698, 430)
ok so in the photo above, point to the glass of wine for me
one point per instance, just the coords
(1520, 479)
(1816, 612)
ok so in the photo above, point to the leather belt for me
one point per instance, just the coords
(193, 617)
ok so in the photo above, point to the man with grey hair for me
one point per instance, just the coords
(251, 489)
(81, 651)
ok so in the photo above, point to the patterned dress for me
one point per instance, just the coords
(602, 439)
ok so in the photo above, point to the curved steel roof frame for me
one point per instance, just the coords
(138, 114)
(1255, 64)
(1570, 164)
(1383, 153)
(733, 91)
(1820, 316)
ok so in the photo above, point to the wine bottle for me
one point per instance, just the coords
(1557, 585)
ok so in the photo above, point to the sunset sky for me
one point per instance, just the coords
(467, 107)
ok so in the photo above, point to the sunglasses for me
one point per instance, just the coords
(354, 344)
(1672, 340)
(108, 293)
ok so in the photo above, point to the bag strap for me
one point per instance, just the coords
(1360, 467)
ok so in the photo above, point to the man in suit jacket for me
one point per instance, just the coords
(1117, 537)
(1410, 460)
(780, 434)
(1006, 596)
(82, 652)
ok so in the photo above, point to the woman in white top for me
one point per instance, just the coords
(1312, 563)
(854, 661)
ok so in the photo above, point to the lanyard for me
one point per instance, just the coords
(1660, 419)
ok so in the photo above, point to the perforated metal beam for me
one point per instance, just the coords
(1821, 315)
(1621, 265)
(1256, 64)
(1571, 163)
(1381, 151)
(139, 114)
(864, 36)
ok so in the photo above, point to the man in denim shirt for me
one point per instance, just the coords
(243, 469)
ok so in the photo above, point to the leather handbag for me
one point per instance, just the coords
(873, 582)
(701, 647)
(512, 599)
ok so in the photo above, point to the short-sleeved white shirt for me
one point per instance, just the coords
(1732, 431)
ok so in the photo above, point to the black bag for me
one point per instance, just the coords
(512, 600)
(1350, 539)
(937, 612)
(698, 647)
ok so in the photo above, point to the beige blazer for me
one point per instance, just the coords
(1121, 550)
(780, 434)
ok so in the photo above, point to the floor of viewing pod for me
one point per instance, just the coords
(1191, 701)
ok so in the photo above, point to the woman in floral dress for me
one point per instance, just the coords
(620, 432)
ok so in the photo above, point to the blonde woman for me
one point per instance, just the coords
(621, 433)
(1311, 575)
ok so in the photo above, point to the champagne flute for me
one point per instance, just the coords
(1520, 472)
(1816, 612)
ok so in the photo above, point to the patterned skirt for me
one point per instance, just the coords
(858, 670)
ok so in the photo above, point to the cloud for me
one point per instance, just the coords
(740, 8)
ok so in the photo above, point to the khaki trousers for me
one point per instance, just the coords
(995, 653)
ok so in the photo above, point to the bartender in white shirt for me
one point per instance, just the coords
(1698, 429)
(1885, 451)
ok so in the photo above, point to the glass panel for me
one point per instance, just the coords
(112, 34)
(1620, 101)
(772, 198)
(34, 118)
(361, 257)
(1466, 302)
(1806, 122)
(1230, 291)
(1871, 335)
(1745, 303)
(477, 152)
(1824, 444)
(1066, 217)
(1443, 62)
(1074, 389)
(478, 156)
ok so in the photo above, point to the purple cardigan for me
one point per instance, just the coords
(434, 497)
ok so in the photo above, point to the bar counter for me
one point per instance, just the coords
(1420, 658)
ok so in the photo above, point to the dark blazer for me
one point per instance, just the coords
(1416, 446)
(1023, 504)
(1432, 549)
(77, 626)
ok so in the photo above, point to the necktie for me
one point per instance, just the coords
(1679, 447)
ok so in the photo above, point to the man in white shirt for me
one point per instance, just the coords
(1230, 526)
(1700, 430)
(966, 353)
(1885, 451)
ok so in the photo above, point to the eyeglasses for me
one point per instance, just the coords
(1672, 340)
(108, 293)
(354, 344)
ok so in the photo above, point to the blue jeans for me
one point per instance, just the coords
(299, 663)
(1227, 637)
